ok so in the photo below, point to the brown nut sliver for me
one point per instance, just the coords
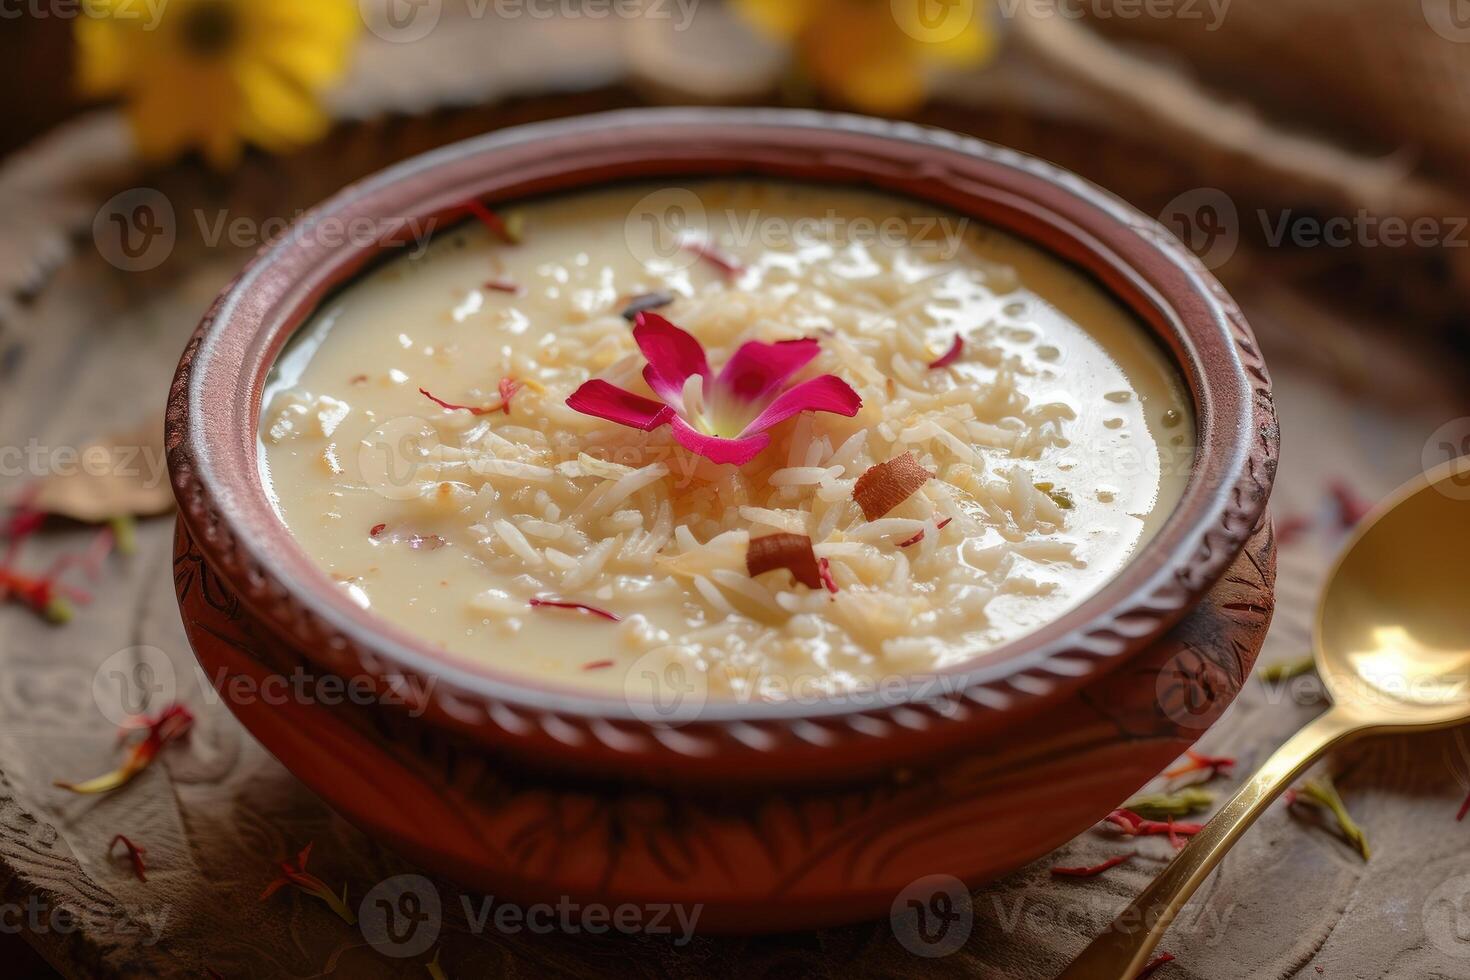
(886, 485)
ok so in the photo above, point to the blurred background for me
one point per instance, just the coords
(1325, 140)
(1326, 107)
(1312, 152)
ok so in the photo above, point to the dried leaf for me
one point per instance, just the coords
(1286, 670)
(1159, 806)
(122, 475)
(1320, 792)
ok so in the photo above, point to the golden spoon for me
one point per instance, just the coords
(1392, 644)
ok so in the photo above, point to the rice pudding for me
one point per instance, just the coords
(806, 440)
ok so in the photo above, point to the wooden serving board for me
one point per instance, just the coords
(93, 350)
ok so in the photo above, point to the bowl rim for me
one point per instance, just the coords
(214, 410)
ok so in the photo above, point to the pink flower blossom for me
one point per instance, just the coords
(723, 417)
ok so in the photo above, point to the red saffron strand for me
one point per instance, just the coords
(1132, 825)
(89, 561)
(1290, 529)
(1153, 964)
(824, 571)
(1093, 871)
(135, 855)
(597, 665)
(577, 606)
(508, 387)
(174, 722)
(1464, 809)
(1198, 762)
(709, 253)
(502, 286)
(23, 522)
(451, 407)
(950, 356)
(1351, 507)
(497, 225)
(45, 595)
(294, 873)
(920, 536)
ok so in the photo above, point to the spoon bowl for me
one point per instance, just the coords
(1392, 637)
(1392, 645)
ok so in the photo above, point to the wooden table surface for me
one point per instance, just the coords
(92, 348)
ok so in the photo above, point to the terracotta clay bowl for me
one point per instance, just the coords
(772, 816)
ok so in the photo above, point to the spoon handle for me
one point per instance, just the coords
(1123, 950)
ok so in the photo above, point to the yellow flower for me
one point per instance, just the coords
(209, 74)
(875, 53)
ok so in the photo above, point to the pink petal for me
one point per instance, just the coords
(828, 393)
(716, 449)
(757, 369)
(672, 354)
(607, 401)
